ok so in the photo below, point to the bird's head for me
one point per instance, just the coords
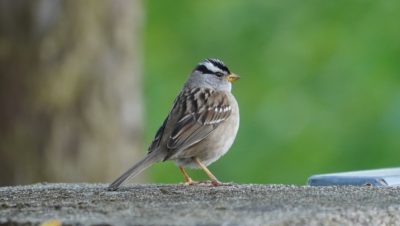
(214, 73)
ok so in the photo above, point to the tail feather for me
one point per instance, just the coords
(151, 158)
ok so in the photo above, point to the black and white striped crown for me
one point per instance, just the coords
(212, 66)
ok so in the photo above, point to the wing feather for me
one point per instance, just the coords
(195, 114)
(206, 109)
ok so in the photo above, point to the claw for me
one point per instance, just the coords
(191, 182)
(216, 183)
(188, 180)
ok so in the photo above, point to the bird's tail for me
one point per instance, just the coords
(151, 158)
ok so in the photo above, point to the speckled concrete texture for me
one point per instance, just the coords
(236, 204)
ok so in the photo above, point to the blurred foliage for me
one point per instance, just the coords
(320, 87)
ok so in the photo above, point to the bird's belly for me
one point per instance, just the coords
(212, 147)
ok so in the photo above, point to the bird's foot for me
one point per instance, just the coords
(216, 183)
(191, 182)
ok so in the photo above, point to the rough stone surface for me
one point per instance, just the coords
(153, 204)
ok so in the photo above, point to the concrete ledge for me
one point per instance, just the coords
(153, 204)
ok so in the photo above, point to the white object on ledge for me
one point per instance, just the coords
(377, 178)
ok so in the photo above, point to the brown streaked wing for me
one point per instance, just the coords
(201, 112)
(157, 139)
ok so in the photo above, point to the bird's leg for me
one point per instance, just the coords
(186, 176)
(214, 180)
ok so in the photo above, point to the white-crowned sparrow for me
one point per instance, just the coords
(201, 126)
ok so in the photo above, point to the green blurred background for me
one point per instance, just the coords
(84, 85)
(319, 89)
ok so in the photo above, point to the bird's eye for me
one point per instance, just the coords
(219, 74)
